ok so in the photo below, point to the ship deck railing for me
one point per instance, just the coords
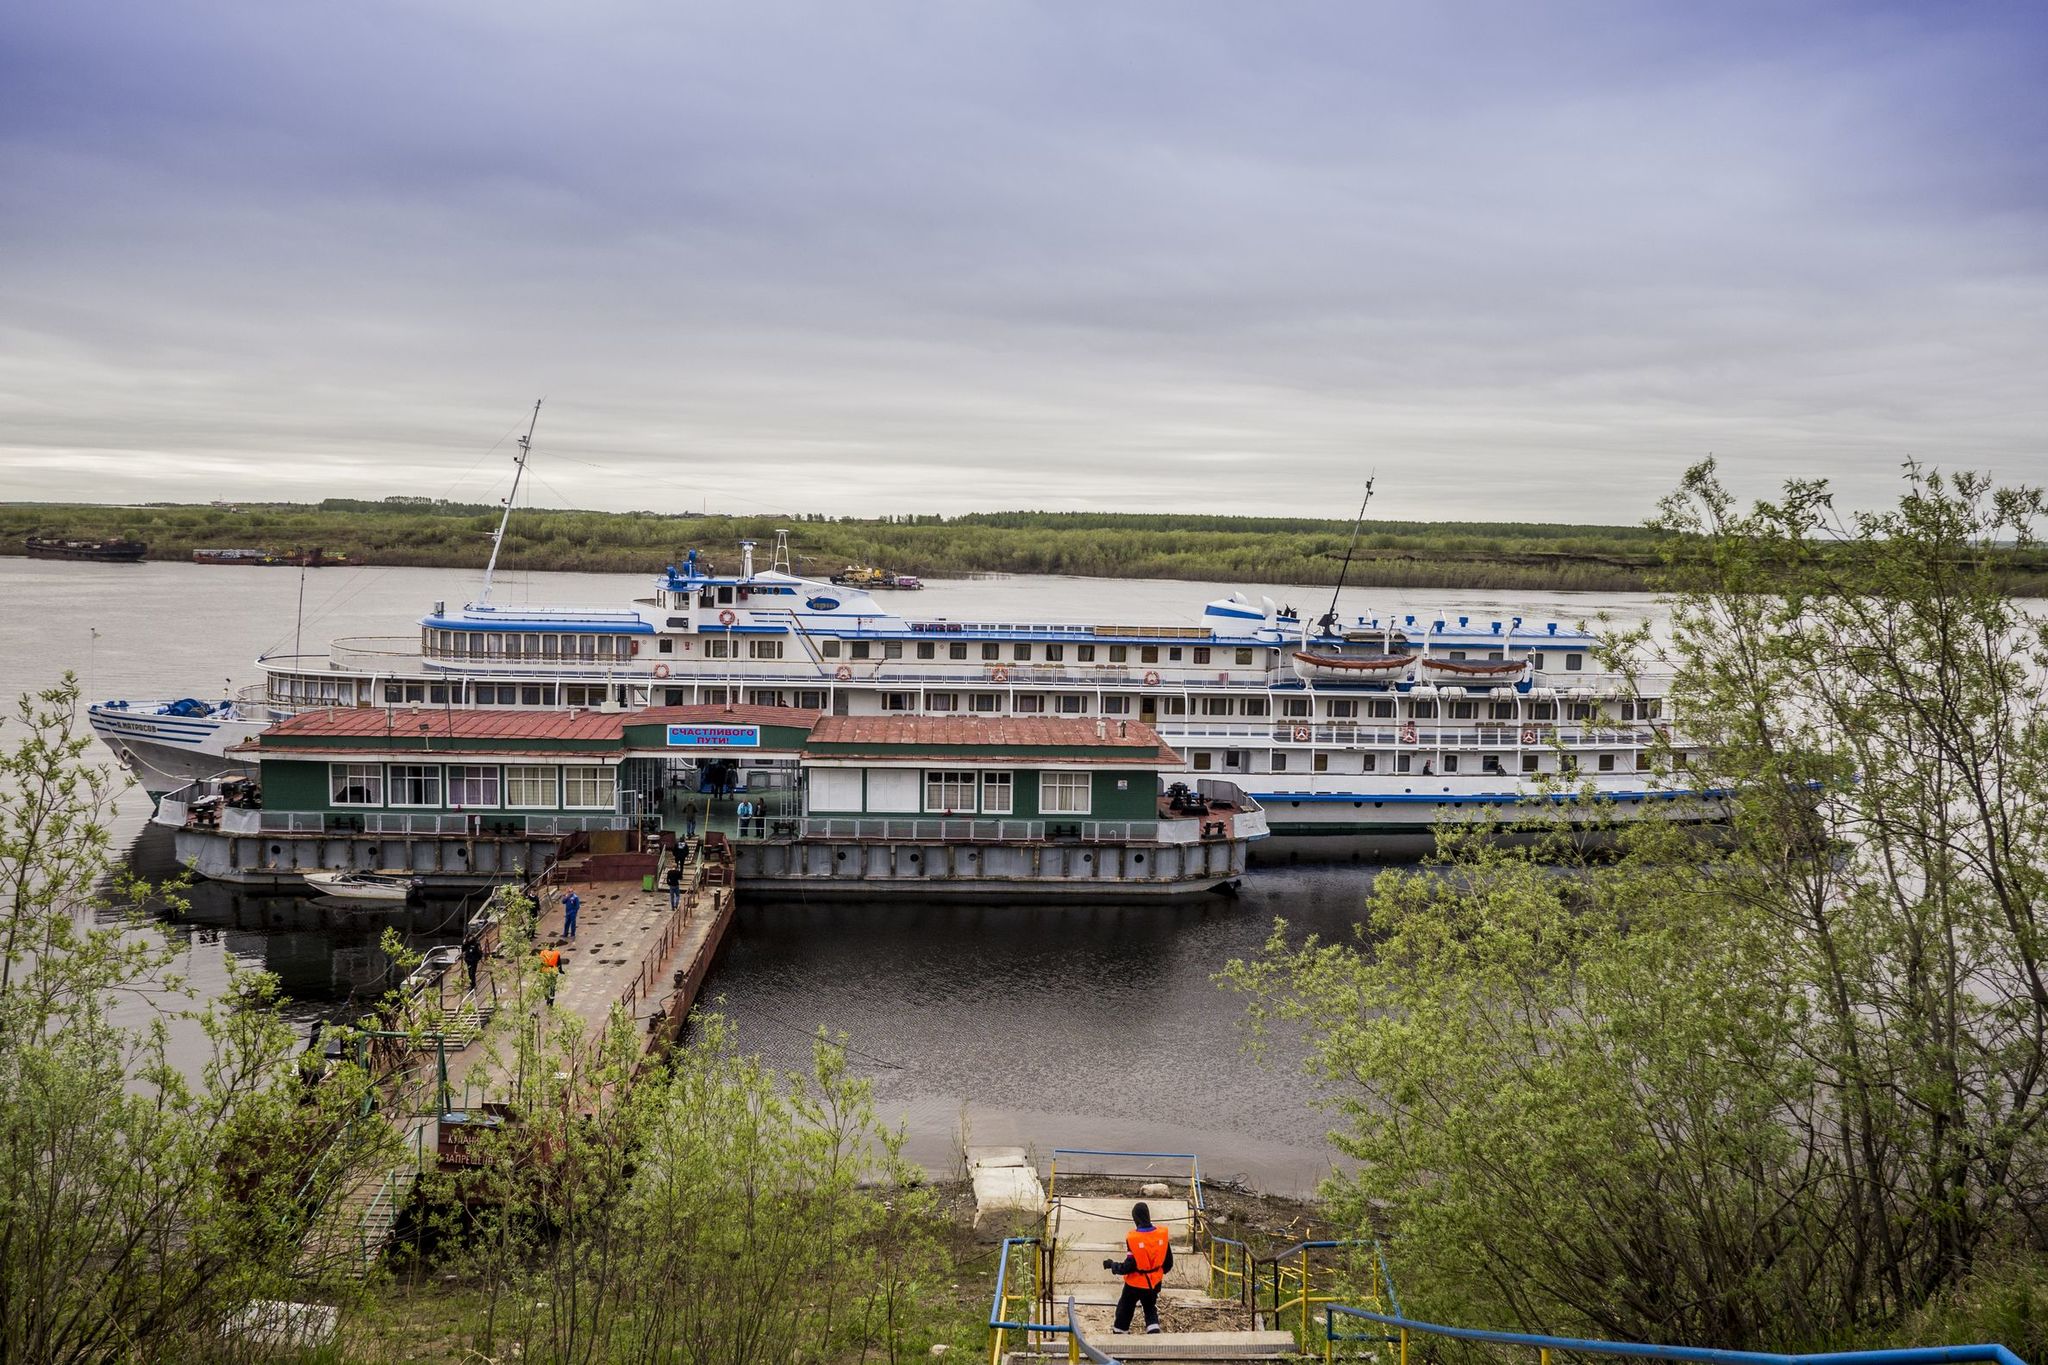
(1500, 735)
(917, 829)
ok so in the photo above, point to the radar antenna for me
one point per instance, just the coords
(518, 471)
(1328, 625)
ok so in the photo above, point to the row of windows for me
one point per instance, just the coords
(506, 644)
(1424, 764)
(1025, 652)
(472, 786)
(730, 649)
(492, 694)
(955, 793)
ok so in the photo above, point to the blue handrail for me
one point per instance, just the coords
(1702, 1355)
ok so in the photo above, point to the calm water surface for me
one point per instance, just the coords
(1075, 1025)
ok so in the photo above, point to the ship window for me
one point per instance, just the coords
(725, 595)
(1607, 763)
(956, 650)
(1578, 710)
(1070, 705)
(606, 646)
(1642, 760)
(355, 784)
(471, 786)
(892, 649)
(532, 643)
(1029, 704)
(1382, 709)
(828, 649)
(1201, 654)
(987, 701)
(1148, 654)
(949, 791)
(1536, 660)
(1244, 657)
(1116, 706)
(415, 691)
(1055, 653)
(1294, 706)
(1257, 706)
(713, 696)
(1215, 706)
(1085, 653)
(1529, 763)
(494, 645)
(1173, 706)
(927, 650)
(811, 701)
(666, 646)
(1119, 653)
(1450, 763)
(1064, 794)
(1233, 758)
(1501, 710)
(437, 693)
(899, 701)
(996, 793)
(1404, 763)
(587, 645)
(533, 788)
(858, 650)
(1543, 710)
(764, 697)
(1173, 654)
(1568, 765)
(1279, 763)
(1574, 662)
(1464, 710)
(529, 695)
(942, 701)
(415, 784)
(1202, 762)
(1457, 654)
(589, 788)
(1424, 710)
(1371, 763)
(1490, 764)
(764, 649)
(1322, 763)
(991, 651)
(1343, 710)
(551, 646)
(1678, 760)
(717, 649)
(1020, 652)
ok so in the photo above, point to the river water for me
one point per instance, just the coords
(1096, 1026)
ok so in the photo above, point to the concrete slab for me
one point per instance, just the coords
(1210, 1346)
(1006, 1197)
(996, 1156)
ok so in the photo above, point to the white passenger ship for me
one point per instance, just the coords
(1376, 727)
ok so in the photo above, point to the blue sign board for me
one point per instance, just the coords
(714, 736)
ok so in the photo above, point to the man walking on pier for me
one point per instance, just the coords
(675, 884)
(571, 903)
(1144, 1270)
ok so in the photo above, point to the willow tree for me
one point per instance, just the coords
(1774, 1083)
(144, 1204)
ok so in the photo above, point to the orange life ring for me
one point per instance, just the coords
(1408, 733)
(999, 674)
(1528, 734)
(844, 674)
(661, 670)
(1151, 678)
(727, 617)
(1301, 734)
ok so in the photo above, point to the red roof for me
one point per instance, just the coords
(404, 723)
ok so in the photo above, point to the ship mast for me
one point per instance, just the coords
(1328, 625)
(518, 470)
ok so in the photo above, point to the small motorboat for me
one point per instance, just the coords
(363, 886)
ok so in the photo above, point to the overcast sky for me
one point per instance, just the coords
(1524, 260)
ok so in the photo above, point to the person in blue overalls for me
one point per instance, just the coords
(571, 903)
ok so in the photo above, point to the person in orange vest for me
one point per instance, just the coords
(550, 969)
(1144, 1268)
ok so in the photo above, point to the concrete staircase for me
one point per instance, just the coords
(1088, 1230)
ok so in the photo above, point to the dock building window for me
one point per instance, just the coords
(590, 788)
(949, 791)
(355, 784)
(532, 788)
(415, 784)
(471, 786)
(1064, 793)
(996, 794)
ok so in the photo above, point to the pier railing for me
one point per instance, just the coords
(480, 824)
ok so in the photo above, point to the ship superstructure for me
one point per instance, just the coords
(1371, 726)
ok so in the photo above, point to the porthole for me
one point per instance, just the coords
(276, 849)
(1087, 857)
(1137, 858)
(840, 855)
(916, 858)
